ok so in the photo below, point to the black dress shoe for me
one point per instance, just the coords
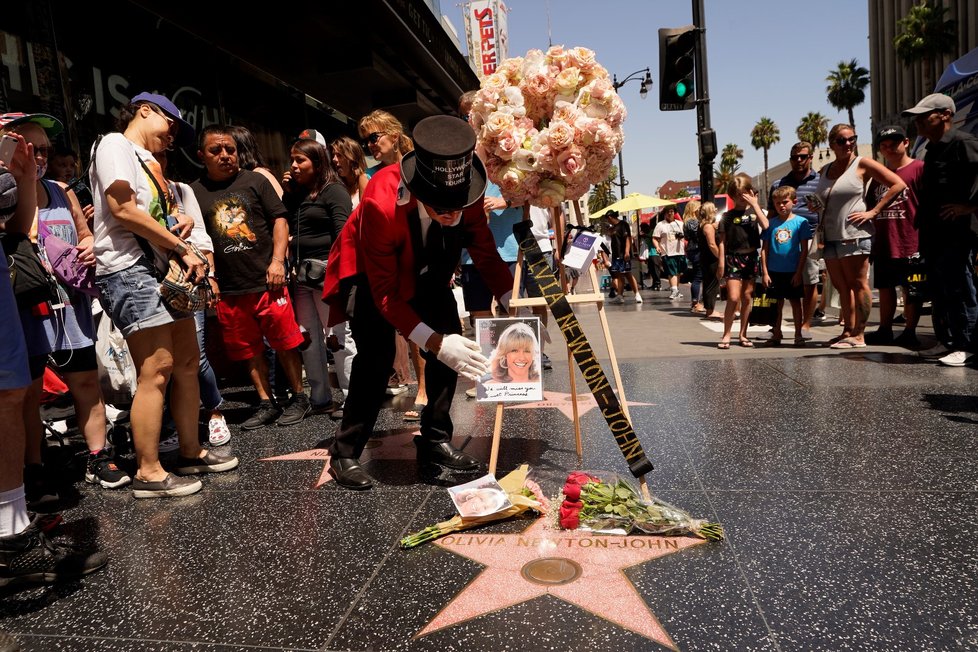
(444, 454)
(349, 474)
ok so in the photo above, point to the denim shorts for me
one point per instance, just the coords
(131, 297)
(845, 248)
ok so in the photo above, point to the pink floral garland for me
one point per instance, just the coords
(548, 125)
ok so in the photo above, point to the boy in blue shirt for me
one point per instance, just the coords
(782, 261)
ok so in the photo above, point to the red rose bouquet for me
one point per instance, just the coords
(608, 502)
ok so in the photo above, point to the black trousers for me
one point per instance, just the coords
(374, 337)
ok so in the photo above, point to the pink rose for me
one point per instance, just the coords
(571, 162)
(560, 135)
(551, 193)
(507, 145)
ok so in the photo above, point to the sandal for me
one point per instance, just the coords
(723, 345)
(774, 341)
(414, 414)
(747, 343)
(839, 338)
(800, 342)
(848, 343)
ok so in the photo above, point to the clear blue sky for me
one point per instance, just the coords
(766, 58)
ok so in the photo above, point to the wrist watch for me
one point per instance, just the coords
(180, 249)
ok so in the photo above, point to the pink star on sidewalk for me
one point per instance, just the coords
(395, 445)
(562, 401)
(601, 588)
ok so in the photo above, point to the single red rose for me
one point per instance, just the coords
(570, 514)
(579, 478)
(572, 491)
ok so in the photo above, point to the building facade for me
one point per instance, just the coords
(313, 64)
(895, 85)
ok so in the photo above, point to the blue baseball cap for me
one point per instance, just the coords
(186, 136)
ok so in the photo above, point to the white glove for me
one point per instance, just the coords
(464, 356)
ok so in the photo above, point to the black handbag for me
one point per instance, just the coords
(32, 284)
(311, 272)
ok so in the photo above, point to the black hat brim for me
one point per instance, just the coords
(439, 197)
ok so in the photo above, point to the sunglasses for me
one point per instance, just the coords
(800, 157)
(371, 139)
(845, 141)
(42, 151)
(169, 121)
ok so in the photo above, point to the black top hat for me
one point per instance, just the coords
(442, 171)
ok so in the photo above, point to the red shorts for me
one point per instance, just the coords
(247, 318)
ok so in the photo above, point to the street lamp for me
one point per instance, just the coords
(643, 91)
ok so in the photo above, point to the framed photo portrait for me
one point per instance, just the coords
(512, 345)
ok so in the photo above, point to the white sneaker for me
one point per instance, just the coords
(806, 334)
(218, 432)
(471, 392)
(956, 358)
(169, 444)
(934, 352)
(638, 298)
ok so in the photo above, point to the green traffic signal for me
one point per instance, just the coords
(681, 90)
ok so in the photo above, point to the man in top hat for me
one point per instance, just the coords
(392, 268)
(947, 220)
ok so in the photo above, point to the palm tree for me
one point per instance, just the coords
(764, 135)
(731, 155)
(813, 128)
(926, 36)
(846, 87)
(722, 177)
(729, 164)
(603, 193)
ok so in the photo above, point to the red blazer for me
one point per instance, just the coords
(376, 241)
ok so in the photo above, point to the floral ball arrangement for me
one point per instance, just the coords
(548, 125)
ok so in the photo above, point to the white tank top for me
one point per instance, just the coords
(842, 197)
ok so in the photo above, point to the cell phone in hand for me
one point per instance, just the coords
(8, 146)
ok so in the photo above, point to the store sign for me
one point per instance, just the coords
(487, 38)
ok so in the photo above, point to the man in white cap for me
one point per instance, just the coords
(947, 220)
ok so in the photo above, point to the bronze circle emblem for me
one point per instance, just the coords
(551, 571)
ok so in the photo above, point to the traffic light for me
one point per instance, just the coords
(676, 56)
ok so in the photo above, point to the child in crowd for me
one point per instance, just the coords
(782, 265)
(739, 238)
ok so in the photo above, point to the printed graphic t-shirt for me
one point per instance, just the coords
(239, 214)
(784, 238)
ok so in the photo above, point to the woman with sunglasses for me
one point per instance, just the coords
(383, 135)
(846, 224)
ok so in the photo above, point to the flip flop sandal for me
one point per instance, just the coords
(848, 344)
(746, 343)
(839, 338)
(723, 345)
(414, 414)
(770, 343)
(800, 342)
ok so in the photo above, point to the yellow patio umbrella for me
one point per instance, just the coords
(633, 202)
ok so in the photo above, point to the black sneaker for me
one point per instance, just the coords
(211, 462)
(907, 340)
(103, 471)
(880, 336)
(295, 411)
(818, 317)
(31, 557)
(265, 415)
(169, 487)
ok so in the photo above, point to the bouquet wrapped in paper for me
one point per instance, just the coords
(609, 503)
(523, 495)
(548, 125)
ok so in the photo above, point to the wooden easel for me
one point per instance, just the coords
(595, 297)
